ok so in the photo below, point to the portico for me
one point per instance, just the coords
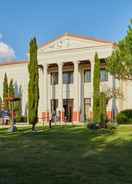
(67, 76)
(62, 87)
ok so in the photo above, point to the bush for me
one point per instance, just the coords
(124, 116)
(92, 126)
(21, 119)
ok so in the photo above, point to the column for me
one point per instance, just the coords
(92, 76)
(76, 110)
(60, 91)
(45, 93)
(41, 98)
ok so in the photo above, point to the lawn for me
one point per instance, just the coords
(66, 155)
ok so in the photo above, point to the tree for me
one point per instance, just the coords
(33, 86)
(5, 92)
(103, 105)
(96, 90)
(0, 103)
(18, 105)
(122, 55)
(120, 63)
(11, 91)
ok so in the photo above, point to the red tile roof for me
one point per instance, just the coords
(13, 63)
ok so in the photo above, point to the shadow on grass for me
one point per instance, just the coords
(67, 154)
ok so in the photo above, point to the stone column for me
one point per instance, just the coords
(45, 93)
(76, 110)
(60, 91)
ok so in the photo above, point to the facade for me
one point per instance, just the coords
(66, 78)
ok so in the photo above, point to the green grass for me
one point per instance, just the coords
(66, 155)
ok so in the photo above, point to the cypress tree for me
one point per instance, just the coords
(103, 103)
(96, 90)
(33, 86)
(11, 89)
(0, 102)
(11, 93)
(5, 92)
(18, 106)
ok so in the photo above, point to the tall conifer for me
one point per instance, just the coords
(11, 89)
(11, 93)
(33, 86)
(96, 90)
(5, 92)
(103, 103)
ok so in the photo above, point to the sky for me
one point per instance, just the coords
(20, 20)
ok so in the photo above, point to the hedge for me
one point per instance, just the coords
(124, 117)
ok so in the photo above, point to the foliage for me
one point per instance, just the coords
(112, 92)
(96, 90)
(0, 102)
(21, 118)
(5, 92)
(18, 109)
(18, 104)
(11, 91)
(124, 116)
(103, 104)
(33, 88)
(123, 56)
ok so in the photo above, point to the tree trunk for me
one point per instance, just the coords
(33, 127)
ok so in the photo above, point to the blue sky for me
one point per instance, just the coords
(22, 19)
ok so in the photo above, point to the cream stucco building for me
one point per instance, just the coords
(66, 78)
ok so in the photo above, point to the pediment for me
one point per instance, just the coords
(68, 41)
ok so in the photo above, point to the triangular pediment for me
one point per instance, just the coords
(68, 41)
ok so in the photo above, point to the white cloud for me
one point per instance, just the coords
(6, 52)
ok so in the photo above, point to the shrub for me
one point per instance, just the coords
(124, 116)
(21, 119)
(24, 119)
(92, 125)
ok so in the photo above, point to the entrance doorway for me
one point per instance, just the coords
(54, 105)
(87, 106)
(68, 109)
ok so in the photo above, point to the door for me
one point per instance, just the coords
(68, 109)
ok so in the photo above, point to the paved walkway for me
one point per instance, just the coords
(22, 124)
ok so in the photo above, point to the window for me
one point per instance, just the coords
(54, 78)
(87, 75)
(67, 77)
(103, 75)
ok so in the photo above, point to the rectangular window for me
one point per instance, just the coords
(87, 75)
(54, 78)
(67, 77)
(103, 75)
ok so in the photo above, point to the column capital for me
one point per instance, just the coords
(45, 64)
(76, 62)
(60, 64)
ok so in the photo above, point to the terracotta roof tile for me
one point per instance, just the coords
(13, 63)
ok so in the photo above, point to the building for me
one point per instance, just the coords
(66, 78)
